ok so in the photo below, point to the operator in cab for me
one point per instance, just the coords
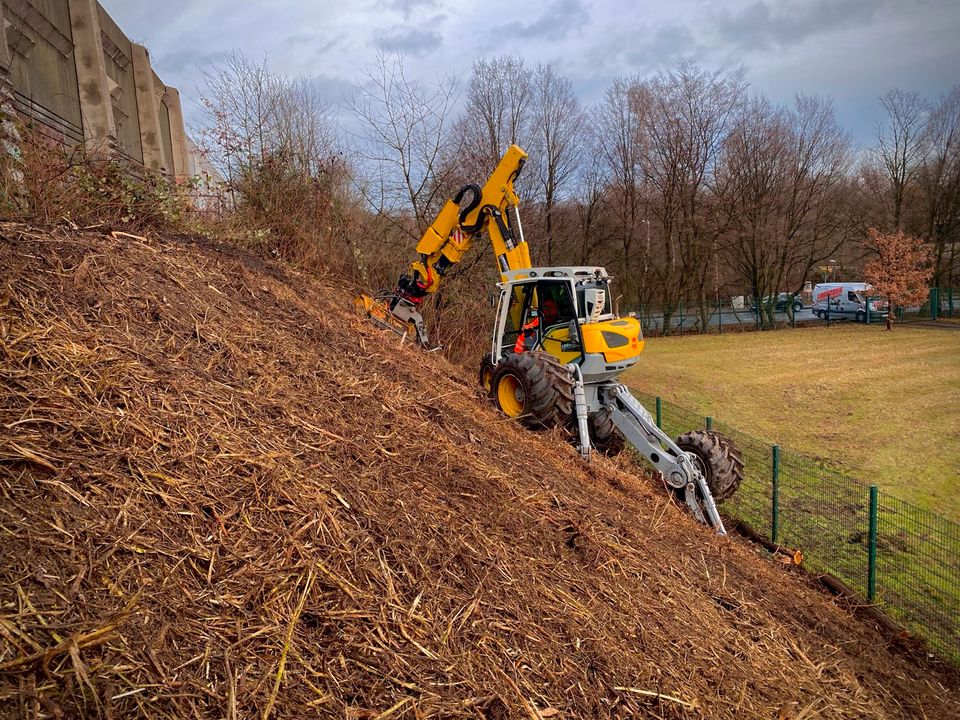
(527, 338)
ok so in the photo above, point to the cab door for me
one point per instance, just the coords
(559, 336)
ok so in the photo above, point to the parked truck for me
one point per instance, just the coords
(847, 300)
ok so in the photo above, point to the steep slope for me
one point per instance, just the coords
(224, 495)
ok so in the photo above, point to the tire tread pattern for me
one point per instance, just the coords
(547, 383)
(722, 458)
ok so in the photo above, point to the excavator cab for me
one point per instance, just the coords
(563, 311)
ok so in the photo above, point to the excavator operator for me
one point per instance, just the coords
(549, 313)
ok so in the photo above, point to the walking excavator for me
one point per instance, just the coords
(558, 348)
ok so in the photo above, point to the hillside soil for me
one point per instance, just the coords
(222, 494)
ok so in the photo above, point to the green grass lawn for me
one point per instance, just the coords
(882, 406)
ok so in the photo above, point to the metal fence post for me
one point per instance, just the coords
(659, 413)
(868, 311)
(775, 498)
(934, 303)
(872, 548)
(720, 314)
(709, 423)
(681, 318)
(950, 300)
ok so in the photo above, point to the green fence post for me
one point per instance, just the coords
(934, 303)
(775, 499)
(681, 318)
(720, 314)
(868, 311)
(872, 548)
(659, 413)
(950, 300)
(709, 423)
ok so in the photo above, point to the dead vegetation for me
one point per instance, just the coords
(223, 495)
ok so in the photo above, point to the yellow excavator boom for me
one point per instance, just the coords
(473, 210)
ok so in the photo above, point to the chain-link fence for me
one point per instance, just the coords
(901, 557)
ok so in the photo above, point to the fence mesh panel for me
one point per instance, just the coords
(918, 571)
(826, 514)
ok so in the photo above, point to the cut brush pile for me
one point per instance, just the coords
(222, 494)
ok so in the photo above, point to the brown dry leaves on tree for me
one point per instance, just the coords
(902, 270)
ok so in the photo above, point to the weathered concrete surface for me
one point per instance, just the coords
(178, 134)
(96, 107)
(147, 109)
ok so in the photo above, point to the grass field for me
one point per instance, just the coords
(882, 406)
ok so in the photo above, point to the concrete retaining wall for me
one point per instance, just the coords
(69, 70)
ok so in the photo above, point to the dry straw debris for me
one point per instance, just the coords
(223, 495)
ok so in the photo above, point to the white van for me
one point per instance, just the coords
(846, 300)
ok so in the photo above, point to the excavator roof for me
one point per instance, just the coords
(574, 272)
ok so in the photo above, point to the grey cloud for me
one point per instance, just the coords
(331, 88)
(555, 23)
(413, 41)
(406, 7)
(765, 25)
(318, 42)
(669, 44)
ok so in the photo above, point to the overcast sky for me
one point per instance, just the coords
(851, 50)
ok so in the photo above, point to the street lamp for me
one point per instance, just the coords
(828, 269)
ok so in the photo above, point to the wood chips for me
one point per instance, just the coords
(224, 495)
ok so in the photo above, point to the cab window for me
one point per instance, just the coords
(522, 301)
(556, 303)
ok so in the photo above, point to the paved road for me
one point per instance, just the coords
(728, 317)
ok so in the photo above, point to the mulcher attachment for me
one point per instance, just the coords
(395, 313)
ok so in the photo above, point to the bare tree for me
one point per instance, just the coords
(902, 145)
(274, 142)
(779, 189)
(690, 114)
(617, 122)
(940, 183)
(240, 100)
(497, 110)
(558, 122)
(405, 132)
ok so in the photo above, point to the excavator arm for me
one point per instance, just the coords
(473, 210)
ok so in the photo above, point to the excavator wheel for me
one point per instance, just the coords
(486, 374)
(534, 387)
(717, 458)
(604, 435)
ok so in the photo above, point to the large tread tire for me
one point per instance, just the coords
(719, 458)
(546, 385)
(485, 376)
(604, 435)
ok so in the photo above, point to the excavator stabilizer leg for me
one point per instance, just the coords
(679, 469)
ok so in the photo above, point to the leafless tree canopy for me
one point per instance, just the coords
(685, 185)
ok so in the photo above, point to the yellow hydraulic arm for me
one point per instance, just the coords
(448, 239)
(452, 233)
